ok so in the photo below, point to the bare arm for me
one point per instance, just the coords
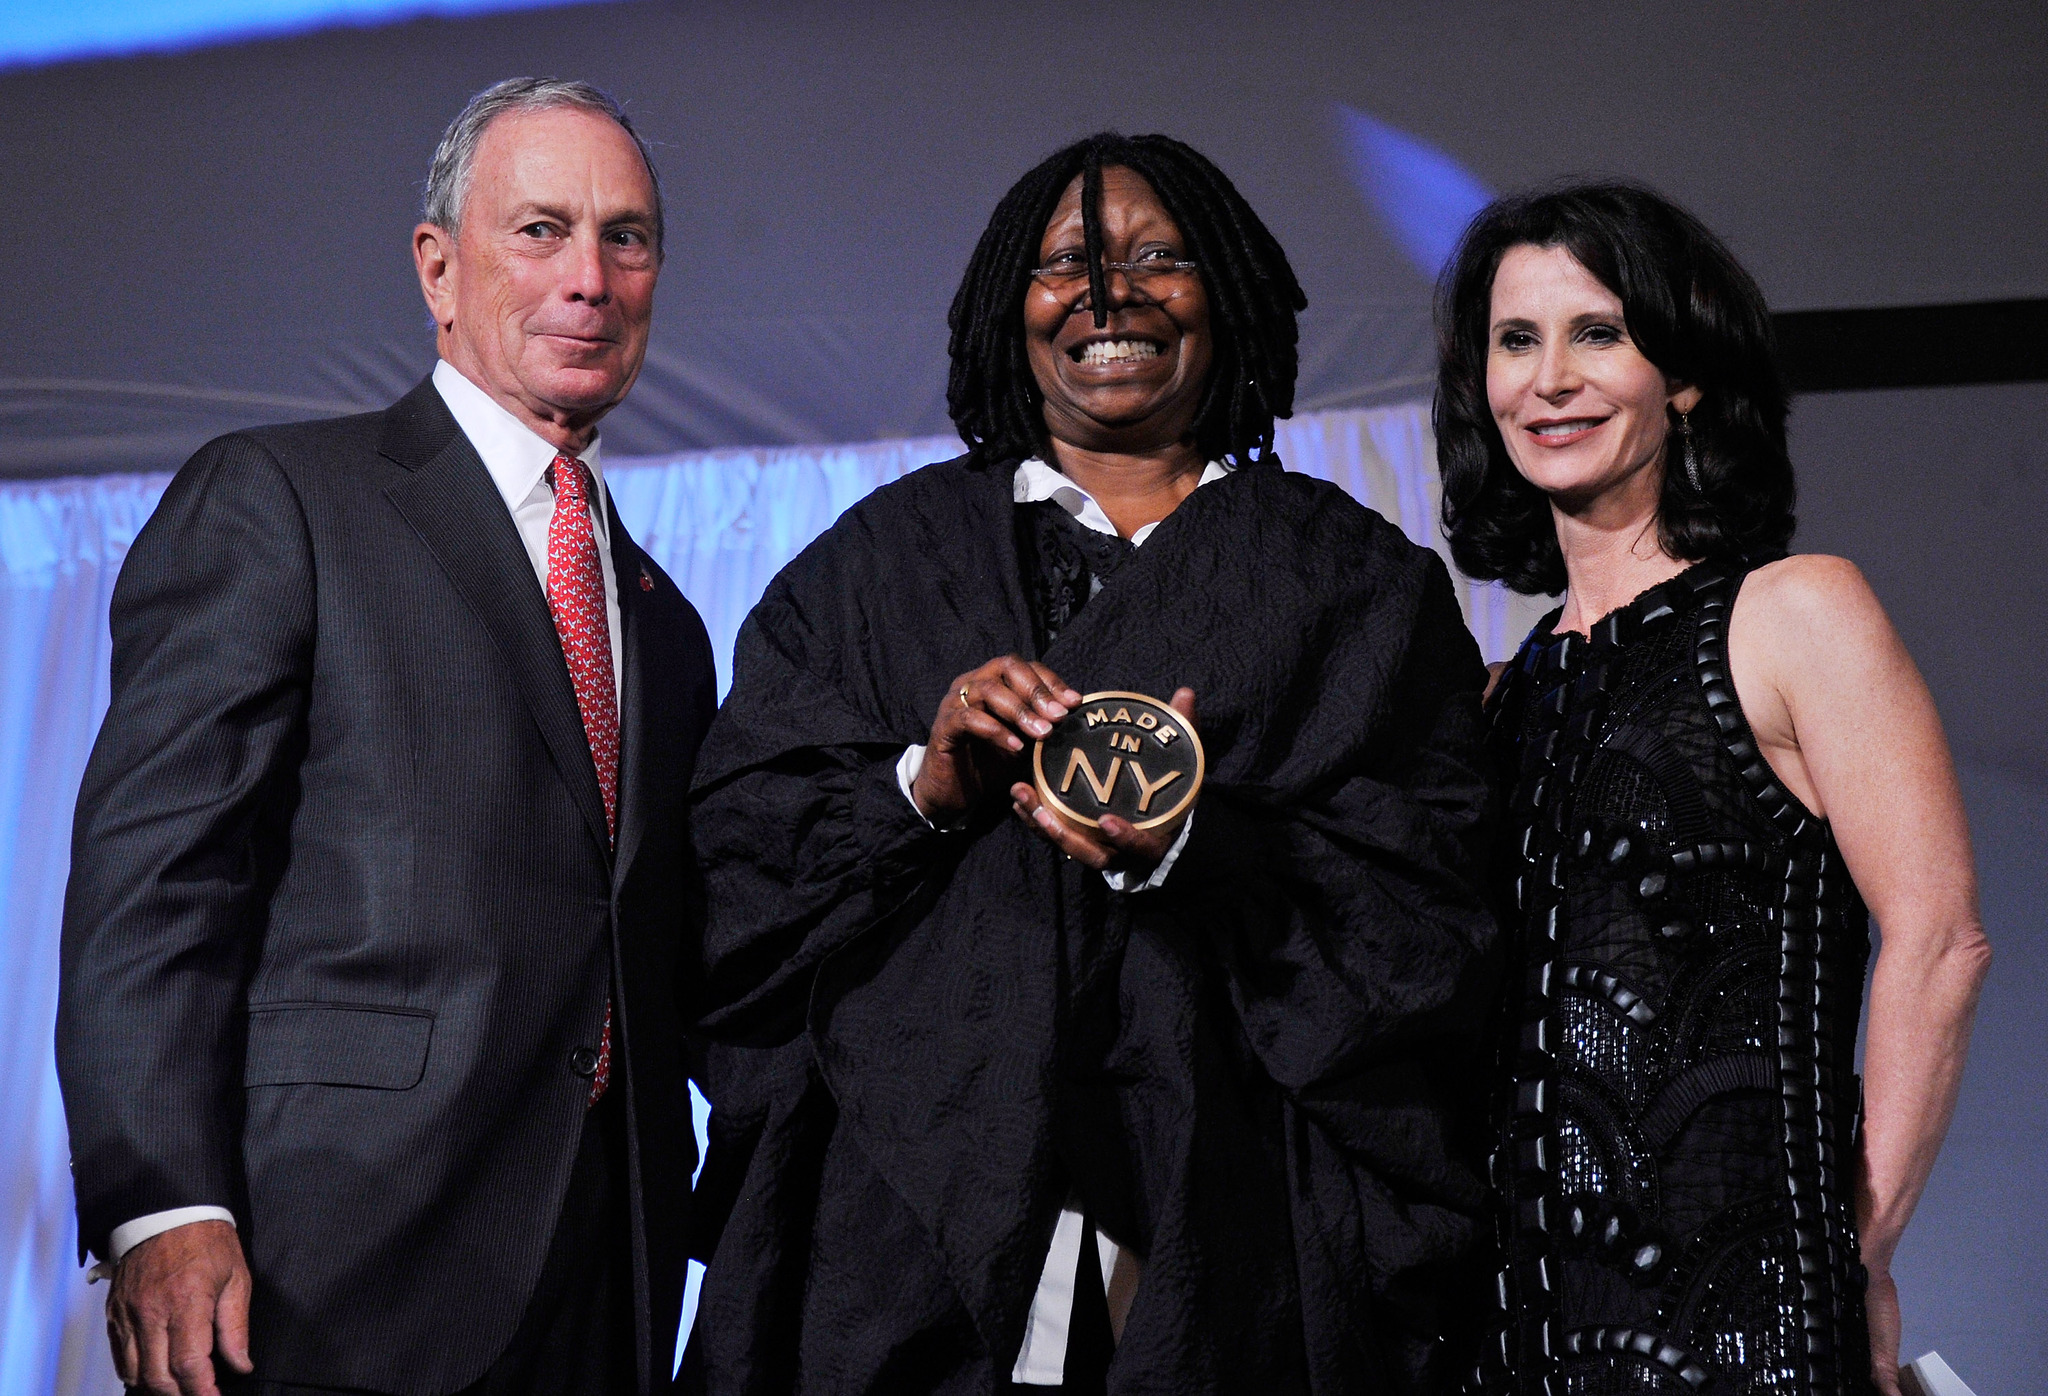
(1848, 725)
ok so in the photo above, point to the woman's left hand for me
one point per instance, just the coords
(1116, 844)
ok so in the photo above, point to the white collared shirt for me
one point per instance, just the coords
(1037, 481)
(518, 462)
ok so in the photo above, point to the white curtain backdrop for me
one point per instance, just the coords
(725, 522)
(61, 544)
(722, 523)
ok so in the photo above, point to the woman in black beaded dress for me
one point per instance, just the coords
(997, 1103)
(1712, 758)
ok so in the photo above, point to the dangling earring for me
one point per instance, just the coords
(1692, 462)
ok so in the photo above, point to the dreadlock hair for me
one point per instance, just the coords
(1690, 309)
(1253, 299)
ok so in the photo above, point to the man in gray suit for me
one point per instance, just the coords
(377, 941)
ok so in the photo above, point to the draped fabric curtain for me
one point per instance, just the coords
(61, 545)
(725, 522)
(721, 522)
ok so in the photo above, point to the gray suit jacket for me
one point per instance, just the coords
(343, 916)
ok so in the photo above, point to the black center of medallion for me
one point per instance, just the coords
(1123, 754)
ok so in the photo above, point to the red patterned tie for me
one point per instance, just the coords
(576, 596)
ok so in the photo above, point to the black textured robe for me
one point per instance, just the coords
(1262, 1077)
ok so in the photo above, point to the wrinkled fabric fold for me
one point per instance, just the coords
(1262, 1075)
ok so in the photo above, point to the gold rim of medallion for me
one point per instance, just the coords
(1050, 796)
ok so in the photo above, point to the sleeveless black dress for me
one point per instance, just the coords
(1677, 1095)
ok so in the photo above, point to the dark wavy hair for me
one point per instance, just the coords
(1253, 299)
(1691, 310)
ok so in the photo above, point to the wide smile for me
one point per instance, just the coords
(1563, 431)
(1115, 351)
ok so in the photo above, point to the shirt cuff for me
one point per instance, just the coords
(128, 1235)
(907, 767)
(1119, 879)
(912, 761)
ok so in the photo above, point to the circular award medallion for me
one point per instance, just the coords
(1122, 754)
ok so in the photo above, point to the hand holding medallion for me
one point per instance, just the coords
(1096, 801)
(983, 725)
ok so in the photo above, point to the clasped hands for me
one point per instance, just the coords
(984, 723)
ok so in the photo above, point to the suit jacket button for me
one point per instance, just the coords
(583, 1061)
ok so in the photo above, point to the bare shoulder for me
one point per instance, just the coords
(1809, 644)
(1817, 584)
(1823, 676)
(1813, 602)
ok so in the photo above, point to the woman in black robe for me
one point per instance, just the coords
(997, 1102)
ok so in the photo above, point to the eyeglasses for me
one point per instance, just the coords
(1065, 275)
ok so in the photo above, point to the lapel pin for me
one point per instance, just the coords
(646, 582)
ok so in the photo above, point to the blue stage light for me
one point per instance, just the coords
(51, 31)
(1423, 196)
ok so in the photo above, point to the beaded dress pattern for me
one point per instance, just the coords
(1678, 1097)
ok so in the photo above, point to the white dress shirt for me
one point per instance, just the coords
(1042, 1360)
(518, 462)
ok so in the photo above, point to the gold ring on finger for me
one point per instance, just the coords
(963, 697)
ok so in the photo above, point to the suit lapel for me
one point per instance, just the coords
(635, 732)
(448, 498)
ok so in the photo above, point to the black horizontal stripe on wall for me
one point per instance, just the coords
(1914, 346)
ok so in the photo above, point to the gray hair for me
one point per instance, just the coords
(448, 175)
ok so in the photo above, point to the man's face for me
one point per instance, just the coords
(544, 299)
